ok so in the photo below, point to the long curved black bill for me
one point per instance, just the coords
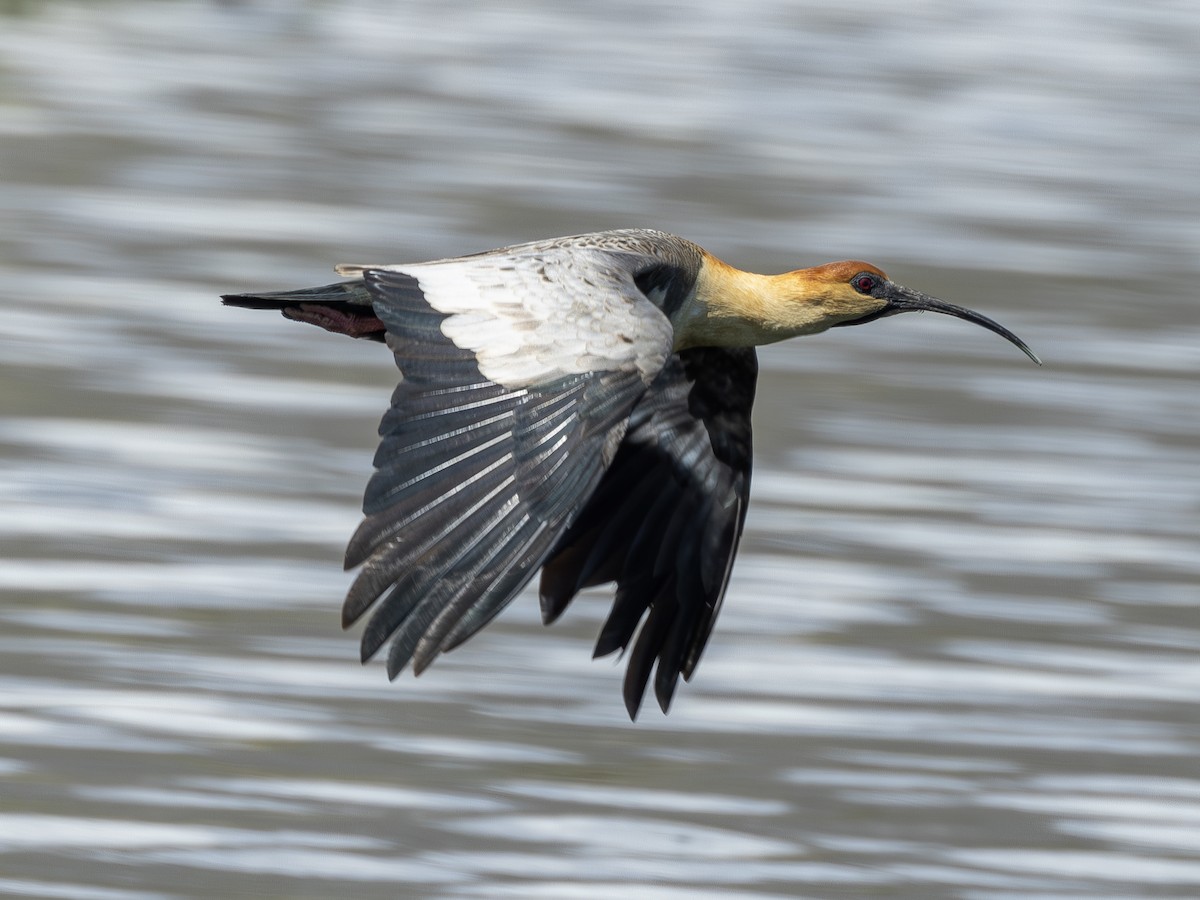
(901, 299)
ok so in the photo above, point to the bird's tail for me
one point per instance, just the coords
(353, 293)
(344, 307)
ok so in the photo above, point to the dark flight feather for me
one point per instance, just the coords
(475, 482)
(665, 519)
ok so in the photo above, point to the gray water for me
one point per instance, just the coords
(959, 655)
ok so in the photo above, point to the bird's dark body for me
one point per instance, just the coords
(593, 477)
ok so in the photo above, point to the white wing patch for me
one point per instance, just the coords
(535, 316)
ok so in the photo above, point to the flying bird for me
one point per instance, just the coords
(579, 405)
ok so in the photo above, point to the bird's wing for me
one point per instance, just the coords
(519, 373)
(536, 312)
(665, 520)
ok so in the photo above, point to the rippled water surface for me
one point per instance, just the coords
(960, 656)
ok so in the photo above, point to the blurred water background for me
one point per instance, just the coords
(959, 656)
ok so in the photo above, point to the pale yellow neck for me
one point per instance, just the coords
(732, 308)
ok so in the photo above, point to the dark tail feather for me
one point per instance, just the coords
(344, 308)
(353, 293)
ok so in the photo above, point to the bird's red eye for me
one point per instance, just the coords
(865, 283)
